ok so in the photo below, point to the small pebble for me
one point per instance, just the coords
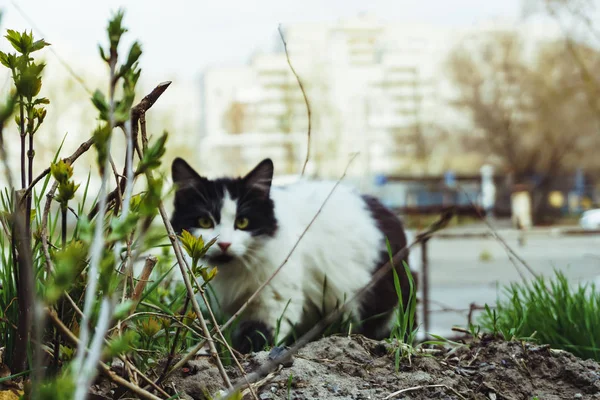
(334, 388)
(277, 352)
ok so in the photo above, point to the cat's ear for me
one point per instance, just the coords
(260, 177)
(182, 173)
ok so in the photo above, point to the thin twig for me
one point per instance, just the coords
(220, 334)
(44, 227)
(83, 147)
(145, 104)
(87, 373)
(118, 178)
(90, 292)
(497, 236)
(138, 113)
(128, 186)
(412, 389)
(23, 135)
(30, 156)
(175, 339)
(308, 112)
(186, 280)
(143, 278)
(85, 367)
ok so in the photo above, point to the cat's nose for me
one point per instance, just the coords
(224, 246)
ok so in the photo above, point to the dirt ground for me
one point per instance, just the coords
(357, 368)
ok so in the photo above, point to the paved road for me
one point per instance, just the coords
(468, 270)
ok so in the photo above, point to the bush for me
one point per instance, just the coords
(70, 300)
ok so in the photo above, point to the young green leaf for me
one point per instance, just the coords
(9, 60)
(193, 246)
(38, 45)
(61, 171)
(29, 81)
(115, 29)
(153, 154)
(101, 104)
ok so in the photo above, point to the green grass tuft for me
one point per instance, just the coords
(549, 312)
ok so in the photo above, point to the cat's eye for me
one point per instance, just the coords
(205, 223)
(241, 223)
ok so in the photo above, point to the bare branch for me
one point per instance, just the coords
(137, 115)
(84, 367)
(220, 334)
(148, 101)
(186, 280)
(85, 146)
(308, 133)
(412, 389)
(44, 227)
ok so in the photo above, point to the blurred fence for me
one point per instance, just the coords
(409, 195)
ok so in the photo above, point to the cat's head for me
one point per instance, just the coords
(237, 211)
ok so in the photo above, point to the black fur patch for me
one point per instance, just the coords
(197, 197)
(251, 336)
(382, 297)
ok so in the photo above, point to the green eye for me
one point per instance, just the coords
(241, 223)
(205, 223)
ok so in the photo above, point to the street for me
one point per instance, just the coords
(467, 270)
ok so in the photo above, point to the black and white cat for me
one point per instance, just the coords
(257, 224)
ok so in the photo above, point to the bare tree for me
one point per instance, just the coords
(530, 107)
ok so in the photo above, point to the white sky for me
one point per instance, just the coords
(180, 38)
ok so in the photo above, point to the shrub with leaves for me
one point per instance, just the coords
(71, 302)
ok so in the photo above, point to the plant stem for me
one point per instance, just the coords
(25, 285)
(83, 365)
(57, 337)
(174, 345)
(30, 155)
(186, 280)
(23, 135)
(63, 226)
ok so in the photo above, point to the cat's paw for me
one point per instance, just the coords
(252, 336)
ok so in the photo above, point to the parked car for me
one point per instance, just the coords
(590, 219)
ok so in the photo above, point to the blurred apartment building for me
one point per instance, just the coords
(375, 88)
